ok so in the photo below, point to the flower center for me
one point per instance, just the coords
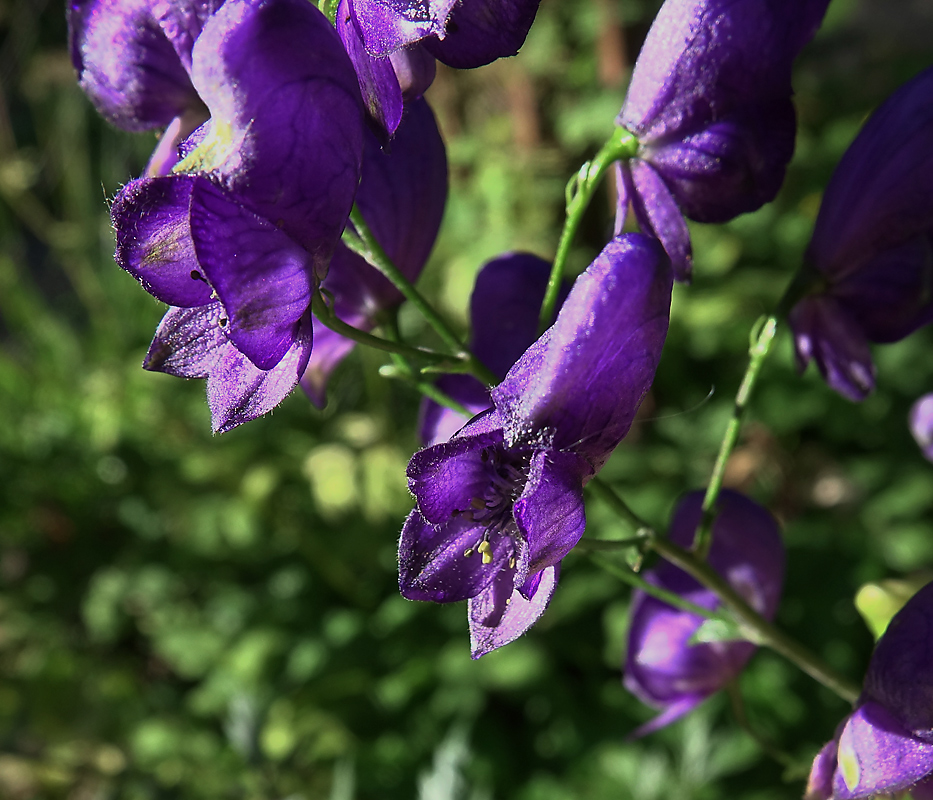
(507, 472)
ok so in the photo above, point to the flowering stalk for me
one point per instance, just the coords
(330, 320)
(758, 352)
(622, 144)
(753, 626)
(365, 245)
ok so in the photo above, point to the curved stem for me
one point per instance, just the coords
(756, 628)
(364, 243)
(322, 311)
(758, 351)
(621, 145)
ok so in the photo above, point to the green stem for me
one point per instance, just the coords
(755, 627)
(322, 311)
(635, 580)
(758, 352)
(364, 243)
(620, 146)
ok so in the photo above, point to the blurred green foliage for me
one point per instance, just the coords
(192, 617)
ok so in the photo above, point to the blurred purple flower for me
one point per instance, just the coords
(710, 105)
(662, 667)
(868, 272)
(133, 59)
(921, 424)
(501, 503)
(885, 746)
(238, 235)
(401, 196)
(504, 312)
(463, 35)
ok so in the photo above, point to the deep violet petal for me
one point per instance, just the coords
(921, 424)
(583, 380)
(188, 342)
(659, 215)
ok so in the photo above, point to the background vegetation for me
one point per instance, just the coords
(184, 616)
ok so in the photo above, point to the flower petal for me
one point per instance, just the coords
(446, 477)
(260, 275)
(824, 332)
(152, 222)
(388, 25)
(878, 756)
(440, 562)
(921, 424)
(583, 381)
(500, 613)
(128, 64)
(238, 391)
(379, 86)
(480, 31)
(898, 675)
(286, 129)
(188, 342)
(550, 513)
(881, 193)
(659, 215)
(820, 782)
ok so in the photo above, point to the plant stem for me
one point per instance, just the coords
(364, 243)
(621, 145)
(330, 320)
(755, 627)
(758, 351)
(637, 582)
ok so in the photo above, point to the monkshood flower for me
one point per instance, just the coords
(662, 667)
(501, 503)
(885, 746)
(401, 196)
(464, 34)
(133, 59)
(387, 83)
(868, 271)
(236, 238)
(710, 107)
(504, 311)
(921, 424)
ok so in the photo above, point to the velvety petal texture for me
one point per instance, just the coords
(402, 195)
(246, 224)
(868, 272)
(133, 57)
(462, 35)
(886, 745)
(501, 503)
(504, 310)
(710, 104)
(662, 667)
(581, 383)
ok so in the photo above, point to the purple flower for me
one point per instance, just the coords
(237, 236)
(868, 272)
(133, 59)
(504, 312)
(401, 196)
(662, 667)
(921, 424)
(386, 82)
(710, 105)
(501, 503)
(464, 35)
(885, 745)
